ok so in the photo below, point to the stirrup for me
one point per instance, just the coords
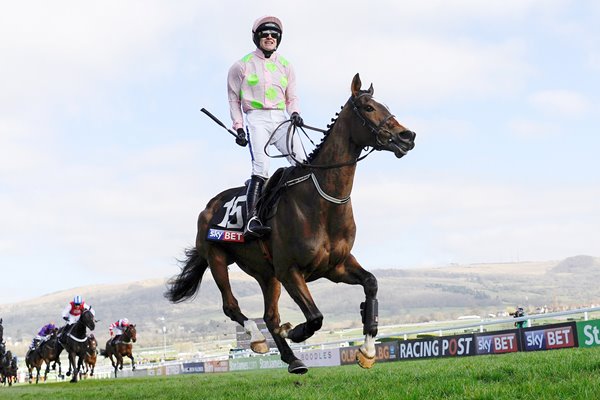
(255, 229)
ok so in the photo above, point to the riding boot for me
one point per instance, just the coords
(254, 228)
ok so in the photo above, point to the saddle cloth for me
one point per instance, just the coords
(227, 224)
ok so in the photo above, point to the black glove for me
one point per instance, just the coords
(297, 119)
(66, 319)
(241, 137)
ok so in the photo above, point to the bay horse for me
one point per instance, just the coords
(120, 346)
(313, 232)
(48, 352)
(91, 355)
(74, 340)
(34, 361)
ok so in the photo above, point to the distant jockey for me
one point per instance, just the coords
(73, 310)
(117, 328)
(42, 336)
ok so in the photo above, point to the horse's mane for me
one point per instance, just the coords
(313, 154)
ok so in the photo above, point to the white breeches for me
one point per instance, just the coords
(261, 125)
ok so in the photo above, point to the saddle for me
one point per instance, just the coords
(227, 224)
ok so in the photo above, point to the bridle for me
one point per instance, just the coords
(375, 129)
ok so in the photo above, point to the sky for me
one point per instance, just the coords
(106, 160)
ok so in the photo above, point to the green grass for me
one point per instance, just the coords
(559, 374)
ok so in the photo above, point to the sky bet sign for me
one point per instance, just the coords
(558, 336)
(497, 342)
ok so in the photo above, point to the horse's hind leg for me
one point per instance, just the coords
(296, 287)
(271, 289)
(352, 273)
(218, 268)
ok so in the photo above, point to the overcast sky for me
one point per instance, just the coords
(106, 161)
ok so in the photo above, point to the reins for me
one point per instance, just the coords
(376, 129)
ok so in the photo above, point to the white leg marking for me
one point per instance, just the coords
(255, 334)
(368, 347)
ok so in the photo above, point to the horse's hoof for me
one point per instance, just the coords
(69, 373)
(260, 347)
(283, 330)
(297, 367)
(363, 360)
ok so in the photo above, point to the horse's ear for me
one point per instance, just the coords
(371, 90)
(356, 84)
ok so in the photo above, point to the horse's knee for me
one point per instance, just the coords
(370, 286)
(316, 322)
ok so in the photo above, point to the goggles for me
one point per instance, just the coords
(265, 34)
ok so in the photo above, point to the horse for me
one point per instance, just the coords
(48, 352)
(119, 346)
(34, 360)
(74, 340)
(312, 233)
(91, 355)
(8, 368)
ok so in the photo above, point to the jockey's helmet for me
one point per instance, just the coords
(266, 23)
(124, 322)
(77, 300)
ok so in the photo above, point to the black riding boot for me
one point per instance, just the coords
(254, 228)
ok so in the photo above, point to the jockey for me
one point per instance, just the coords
(117, 328)
(42, 336)
(73, 310)
(262, 85)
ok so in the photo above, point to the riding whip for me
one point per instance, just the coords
(218, 121)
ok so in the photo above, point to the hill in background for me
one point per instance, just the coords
(405, 296)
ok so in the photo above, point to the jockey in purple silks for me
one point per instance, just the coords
(42, 335)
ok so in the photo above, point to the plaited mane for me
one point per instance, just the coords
(313, 154)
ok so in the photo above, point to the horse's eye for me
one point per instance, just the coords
(369, 108)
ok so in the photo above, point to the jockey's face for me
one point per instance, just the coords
(268, 43)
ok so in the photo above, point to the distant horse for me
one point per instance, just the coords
(312, 235)
(74, 340)
(119, 346)
(8, 368)
(91, 355)
(48, 352)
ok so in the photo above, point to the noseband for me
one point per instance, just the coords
(376, 129)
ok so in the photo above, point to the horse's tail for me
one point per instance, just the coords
(186, 284)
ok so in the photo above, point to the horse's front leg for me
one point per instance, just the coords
(296, 287)
(72, 367)
(352, 273)
(130, 355)
(271, 289)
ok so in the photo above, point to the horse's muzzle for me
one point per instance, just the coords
(402, 142)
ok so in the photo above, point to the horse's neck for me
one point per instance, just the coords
(338, 149)
(78, 330)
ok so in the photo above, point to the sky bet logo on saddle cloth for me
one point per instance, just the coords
(227, 225)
